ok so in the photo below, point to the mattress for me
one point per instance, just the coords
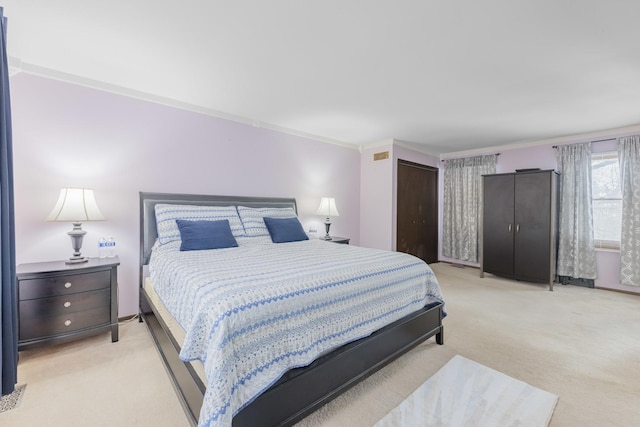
(253, 312)
(172, 324)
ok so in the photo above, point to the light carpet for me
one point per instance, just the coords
(581, 344)
(465, 393)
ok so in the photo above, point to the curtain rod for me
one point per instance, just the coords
(598, 140)
(453, 158)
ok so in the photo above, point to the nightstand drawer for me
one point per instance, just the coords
(43, 287)
(41, 327)
(71, 303)
(60, 302)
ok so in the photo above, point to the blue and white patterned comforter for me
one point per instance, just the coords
(253, 312)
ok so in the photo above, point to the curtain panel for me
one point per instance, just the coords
(462, 205)
(629, 159)
(8, 292)
(576, 247)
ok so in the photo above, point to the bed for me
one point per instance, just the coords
(300, 390)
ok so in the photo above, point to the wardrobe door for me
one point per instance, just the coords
(417, 211)
(532, 242)
(498, 224)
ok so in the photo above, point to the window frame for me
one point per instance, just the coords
(601, 243)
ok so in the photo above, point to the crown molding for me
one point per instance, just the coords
(18, 66)
(420, 148)
(560, 140)
(15, 66)
(375, 144)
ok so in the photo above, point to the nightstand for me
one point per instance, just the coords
(59, 302)
(336, 239)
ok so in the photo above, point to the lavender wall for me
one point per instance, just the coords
(542, 156)
(68, 135)
(378, 192)
(376, 198)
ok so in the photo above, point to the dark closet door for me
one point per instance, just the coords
(417, 211)
(498, 224)
(532, 221)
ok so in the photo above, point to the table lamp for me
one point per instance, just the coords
(76, 205)
(328, 209)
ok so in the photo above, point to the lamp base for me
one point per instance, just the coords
(327, 225)
(76, 234)
(74, 260)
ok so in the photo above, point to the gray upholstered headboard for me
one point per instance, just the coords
(148, 202)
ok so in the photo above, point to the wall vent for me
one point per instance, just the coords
(381, 156)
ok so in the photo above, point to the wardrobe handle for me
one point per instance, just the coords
(509, 228)
(517, 228)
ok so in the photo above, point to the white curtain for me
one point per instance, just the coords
(462, 202)
(629, 158)
(576, 248)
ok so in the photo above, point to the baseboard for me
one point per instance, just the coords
(567, 280)
(622, 291)
(459, 264)
(127, 318)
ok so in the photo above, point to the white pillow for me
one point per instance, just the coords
(254, 224)
(166, 216)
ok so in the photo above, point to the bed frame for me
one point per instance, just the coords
(300, 391)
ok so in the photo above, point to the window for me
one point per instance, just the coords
(607, 199)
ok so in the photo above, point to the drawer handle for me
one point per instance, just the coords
(67, 322)
(67, 285)
(67, 304)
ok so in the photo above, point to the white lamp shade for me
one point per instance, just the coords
(76, 205)
(327, 207)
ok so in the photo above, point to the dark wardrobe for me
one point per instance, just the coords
(519, 227)
(417, 211)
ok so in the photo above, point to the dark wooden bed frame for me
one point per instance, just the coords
(300, 391)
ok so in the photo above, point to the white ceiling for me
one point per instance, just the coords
(451, 75)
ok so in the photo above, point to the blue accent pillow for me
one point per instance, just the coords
(283, 230)
(253, 222)
(200, 235)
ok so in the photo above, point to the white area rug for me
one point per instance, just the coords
(466, 393)
(12, 401)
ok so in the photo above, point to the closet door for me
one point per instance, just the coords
(417, 210)
(532, 242)
(498, 224)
